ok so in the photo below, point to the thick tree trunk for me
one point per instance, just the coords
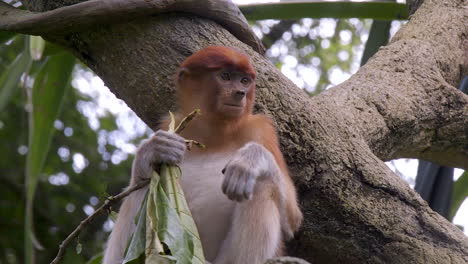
(402, 103)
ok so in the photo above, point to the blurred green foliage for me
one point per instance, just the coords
(63, 191)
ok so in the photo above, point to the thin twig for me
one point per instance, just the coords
(103, 209)
(190, 143)
(184, 123)
(187, 119)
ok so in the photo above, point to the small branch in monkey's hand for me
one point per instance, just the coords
(103, 209)
(186, 120)
(184, 123)
(190, 144)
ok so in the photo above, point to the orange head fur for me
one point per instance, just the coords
(217, 57)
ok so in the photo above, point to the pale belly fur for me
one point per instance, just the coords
(211, 209)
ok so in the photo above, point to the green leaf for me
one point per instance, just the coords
(136, 249)
(10, 78)
(459, 194)
(113, 216)
(51, 49)
(36, 47)
(318, 9)
(155, 250)
(176, 227)
(96, 259)
(48, 91)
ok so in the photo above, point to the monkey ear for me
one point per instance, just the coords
(182, 73)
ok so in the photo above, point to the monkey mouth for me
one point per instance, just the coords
(234, 105)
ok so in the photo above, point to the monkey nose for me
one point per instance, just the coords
(239, 95)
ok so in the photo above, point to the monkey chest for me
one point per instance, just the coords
(202, 176)
(211, 209)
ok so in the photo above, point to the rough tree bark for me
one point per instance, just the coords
(402, 103)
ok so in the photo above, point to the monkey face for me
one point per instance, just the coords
(232, 91)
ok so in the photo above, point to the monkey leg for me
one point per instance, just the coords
(255, 232)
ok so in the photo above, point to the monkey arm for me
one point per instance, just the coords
(260, 220)
(254, 164)
(270, 141)
(291, 213)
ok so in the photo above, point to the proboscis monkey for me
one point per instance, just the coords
(238, 188)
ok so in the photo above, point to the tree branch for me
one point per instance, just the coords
(415, 111)
(103, 209)
(78, 17)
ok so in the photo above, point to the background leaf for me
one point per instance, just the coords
(95, 260)
(10, 78)
(48, 92)
(36, 47)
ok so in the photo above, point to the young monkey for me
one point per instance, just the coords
(238, 188)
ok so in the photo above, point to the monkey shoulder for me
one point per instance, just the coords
(262, 130)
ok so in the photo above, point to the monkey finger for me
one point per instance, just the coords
(169, 136)
(227, 171)
(168, 155)
(166, 158)
(156, 146)
(170, 143)
(177, 153)
(224, 185)
(240, 188)
(249, 187)
(231, 188)
(168, 150)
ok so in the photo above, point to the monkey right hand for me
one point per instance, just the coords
(162, 147)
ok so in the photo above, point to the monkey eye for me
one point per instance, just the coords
(225, 76)
(245, 81)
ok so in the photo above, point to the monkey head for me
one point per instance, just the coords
(219, 80)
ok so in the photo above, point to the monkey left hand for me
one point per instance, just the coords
(251, 162)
